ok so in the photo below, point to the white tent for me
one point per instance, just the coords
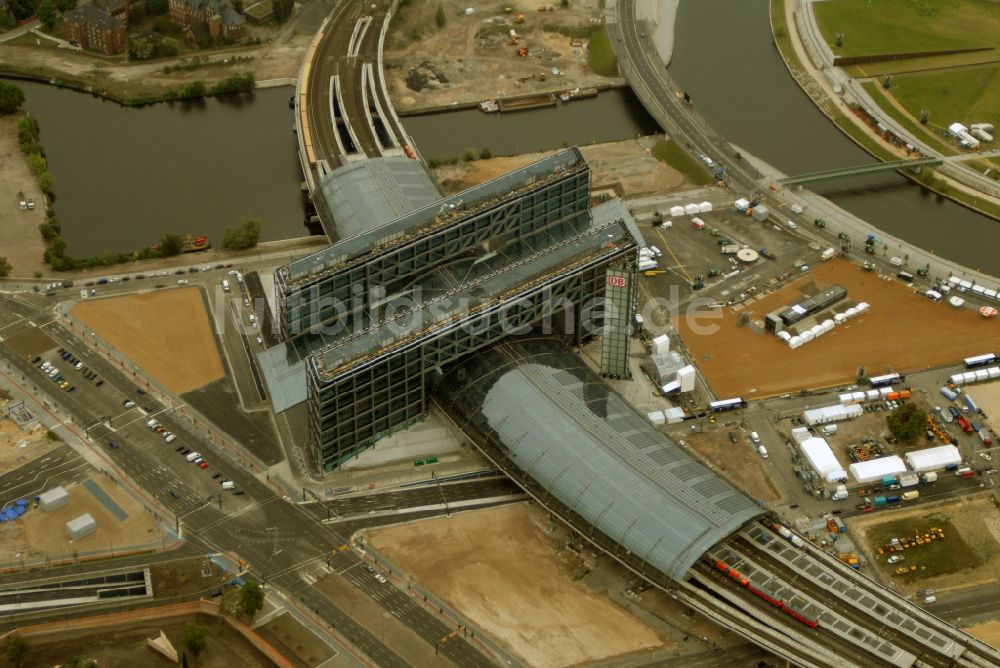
(656, 417)
(57, 497)
(932, 459)
(840, 318)
(847, 398)
(704, 207)
(674, 415)
(807, 336)
(822, 459)
(832, 414)
(862, 307)
(784, 335)
(801, 434)
(676, 211)
(692, 209)
(876, 469)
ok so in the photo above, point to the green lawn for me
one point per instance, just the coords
(600, 56)
(31, 39)
(925, 133)
(671, 153)
(901, 26)
(936, 558)
(968, 95)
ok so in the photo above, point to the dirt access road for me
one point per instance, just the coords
(498, 567)
(20, 241)
(427, 66)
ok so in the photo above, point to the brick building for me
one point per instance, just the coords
(94, 28)
(216, 18)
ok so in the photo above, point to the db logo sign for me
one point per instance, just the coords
(616, 281)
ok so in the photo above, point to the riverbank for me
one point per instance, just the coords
(792, 45)
(144, 82)
(20, 241)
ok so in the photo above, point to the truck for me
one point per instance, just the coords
(929, 477)
(828, 254)
(986, 436)
(730, 249)
(911, 495)
(954, 412)
(892, 499)
(965, 472)
(949, 394)
(225, 285)
(880, 501)
(889, 480)
(964, 424)
(909, 480)
(970, 403)
(840, 494)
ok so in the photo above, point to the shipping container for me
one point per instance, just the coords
(889, 480)
(970, 403)
(880, 501)
(929, 477)
(950, 394)
(892, 499)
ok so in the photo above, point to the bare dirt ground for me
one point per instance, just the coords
(987, 397)
(737, 462)
(124, 645)
(498, 568)
(626, 166)
(934, 334)
(185, 576)
(166, 332)
(30, 342)
(974, 517)
(989, 632)
(450, 65)
(20, 241)
(40, 534)
(18, 447)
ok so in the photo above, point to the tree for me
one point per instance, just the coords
(11, 98)
(439, 17)
(282, 9)
(66, 5)
(17, 647)
(170, 245)
(194, 89)
(37, 163)
(907, 422)
(156, 7)
(46, 181)
(22, 9)
(469, 154)
(47, 14)
(251, 601)
(77, 661)
(195, 637)
(243, 237)
(485, 154)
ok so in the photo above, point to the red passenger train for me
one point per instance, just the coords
(745, 582)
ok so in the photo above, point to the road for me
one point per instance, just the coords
(62, 466)
(278, 539)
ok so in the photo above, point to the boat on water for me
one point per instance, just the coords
(577, 94)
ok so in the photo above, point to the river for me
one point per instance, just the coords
(613, 115)
(725, 58)
(126, 176)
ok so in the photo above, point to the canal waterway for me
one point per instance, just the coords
(613, 115)
(725, 58)
(126, 176)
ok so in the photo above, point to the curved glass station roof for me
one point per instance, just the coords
(560, 423)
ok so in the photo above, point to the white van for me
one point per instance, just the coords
(169, 438)
(228, 484)
(762, 450)
(153, 424)
(191, 456)
(225, 285)
(755, 437)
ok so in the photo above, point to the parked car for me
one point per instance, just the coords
(128, 403)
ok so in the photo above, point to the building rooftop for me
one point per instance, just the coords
(561, 424)
(377, 233)
(95, 16)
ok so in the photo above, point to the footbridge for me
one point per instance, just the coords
(830, 174)
(541, 415)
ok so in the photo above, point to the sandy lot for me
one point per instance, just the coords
(166, 332)
(990, 632)
(625, 166)
(736, 462)
(498, 568)
(20, 241)
(125, 645)
(934, 334)
(19, 447)
(976, 520)
(987, 397)
(451, 65)
(40, 534)
(30, 342)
